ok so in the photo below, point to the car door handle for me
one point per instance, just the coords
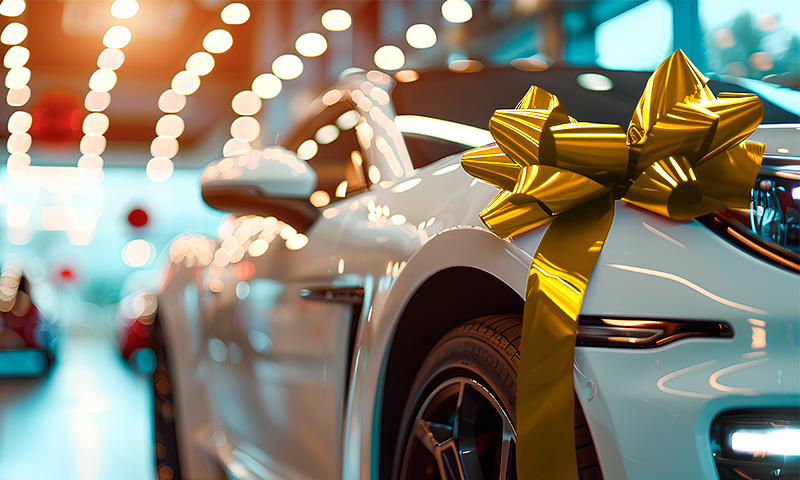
(352, 295)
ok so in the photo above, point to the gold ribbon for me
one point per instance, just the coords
(683, 156)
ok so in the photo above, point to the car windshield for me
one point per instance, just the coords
(589, 94)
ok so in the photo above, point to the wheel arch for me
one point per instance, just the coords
(452, 297)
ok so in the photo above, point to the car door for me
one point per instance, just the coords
(276, 325)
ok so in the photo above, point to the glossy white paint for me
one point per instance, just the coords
(263, 372)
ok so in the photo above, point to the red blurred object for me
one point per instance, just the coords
(57, 118)
(66, 274)
(138, 217)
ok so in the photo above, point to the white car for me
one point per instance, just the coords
(357, 320)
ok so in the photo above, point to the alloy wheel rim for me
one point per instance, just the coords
(461, 432)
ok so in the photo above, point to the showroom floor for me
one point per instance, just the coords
(89, 419)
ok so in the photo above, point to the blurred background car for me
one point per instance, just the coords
(27, 339)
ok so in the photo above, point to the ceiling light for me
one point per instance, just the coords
(102, 80)
(18, 77)
(246, 103)
(246, 128)
(18, 97)
(311, 44)
(110, 58)
(336, 20)
(185, 83)
(97, 101)
(93, 144)
(159, 169)
(389, 57)
(421, 36)
(18, 143)
(117, 37)
(12, 8)
(200, 63)
(170, 126)
(171, 102)
(19, 122)
(95, 124)
(456, 11)
(267, 85)
(163, 146)
(16, 56)
(123, 9)
(218, 41)
(14, 33)
(287, 67)
(235, 14)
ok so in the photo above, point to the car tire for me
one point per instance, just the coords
(460, 419)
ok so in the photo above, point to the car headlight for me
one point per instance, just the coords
(757, 443)
(770, 228)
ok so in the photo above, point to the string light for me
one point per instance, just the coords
(186, 82)
(17, 78)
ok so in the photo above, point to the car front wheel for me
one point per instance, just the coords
(460, 418)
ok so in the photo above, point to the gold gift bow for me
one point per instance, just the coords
(682, 156)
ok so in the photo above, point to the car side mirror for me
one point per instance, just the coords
(273, 181)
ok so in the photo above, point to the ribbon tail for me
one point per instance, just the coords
(560, 271)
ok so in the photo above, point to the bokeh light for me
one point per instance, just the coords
(218, 41)
(18, 77)
(326, 134)
(16, 56)
(421, 36)
(320, 198)
(18, 97)
(235, 146)
(267, 85)
(97, 101)
(296, 241)
(163, 146)
(246, 103)
(18, 143)
(12, 8)
(235, 14)
(336, 20)
(159, 169)
(456, 11)
(307, 150)
(389, 57)
(117, 36)
(110, 58)
(102, 80)
(171, 102)
(14, 33)
(595, 82)
(246, 128)
(200, 63)
(311, 44)
(95, 124)
(93, 144)
(185, 83)
(19, 122)
(90, 161)
(137, 253)
(170, 125)
(287, 67)
(123, 9)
